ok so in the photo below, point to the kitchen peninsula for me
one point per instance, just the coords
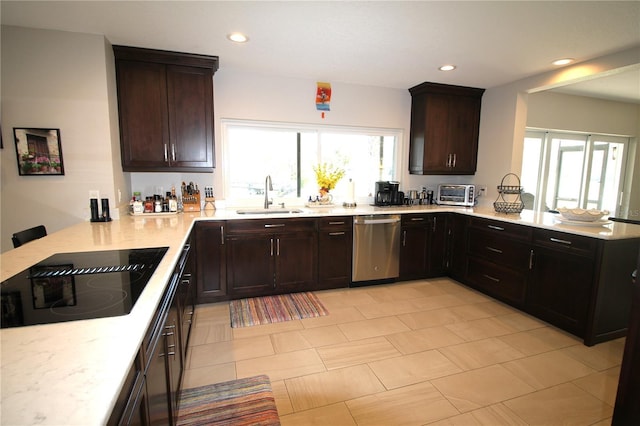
(72, 372)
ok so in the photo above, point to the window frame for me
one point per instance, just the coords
(590, 139)
(226, 123)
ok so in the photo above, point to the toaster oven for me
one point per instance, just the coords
(456, 195)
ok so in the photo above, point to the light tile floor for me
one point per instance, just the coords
(412, 353)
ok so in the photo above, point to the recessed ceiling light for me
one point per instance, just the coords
(447, 68)
(238, 37)
(563, 61)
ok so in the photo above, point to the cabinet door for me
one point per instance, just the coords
(173, 359)
(250, 264)
(456, 256)
(334, 258)
(464, 124)
(437, 246)
(296, 263)
(144, 125)
(413, 252)
(190, 109)
(210, 250)
(560, 288)
(429, 149)
(157, 383)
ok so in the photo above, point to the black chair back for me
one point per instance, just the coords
(22, 237)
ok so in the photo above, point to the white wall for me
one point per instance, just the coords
(66, 80)
(53, 79)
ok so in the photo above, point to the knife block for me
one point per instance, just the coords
(191, 202)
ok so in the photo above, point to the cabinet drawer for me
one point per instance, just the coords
(335, 222)
(415, 219)
(503, 283)
(270, 225)
(499, 249)
(568, 243)
(510, 230)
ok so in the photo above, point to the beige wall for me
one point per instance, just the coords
(53, 79)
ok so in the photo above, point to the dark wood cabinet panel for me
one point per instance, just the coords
(335, 252)
(270, 256)
(423, 243)
(560, 288)
(210, 251)
(250, 265)
(456, 251)
(627, 409)
(296, 261)
(165, 104)
(190, 105)
(414, 242)
(144, 120)
(445, 122)
(500, 282)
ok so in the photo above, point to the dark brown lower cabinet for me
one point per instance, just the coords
(271, 256)
(627, 409)
(150, 395)
(335, 252)
(211, 259)
(423, 242)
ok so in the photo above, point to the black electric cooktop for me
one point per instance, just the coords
(75, 286)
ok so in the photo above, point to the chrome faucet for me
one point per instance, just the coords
(268, 186)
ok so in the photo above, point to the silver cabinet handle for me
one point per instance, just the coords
(531, 256)
(271, 246)
(495, 250)
(417, 219)
(455, 157)
(336, 223)
(333, 234)
(173, 152)
(277, 246)
(221, 235)
(404, 238)
(557, 240)
(277, 225)
(435, 221)
(166, 153)
(489, 277)
(496, 228)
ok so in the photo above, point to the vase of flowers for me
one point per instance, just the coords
(327, 176)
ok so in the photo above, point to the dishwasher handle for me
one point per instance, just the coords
(376, 220)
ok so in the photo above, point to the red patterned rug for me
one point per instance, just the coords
(270, 309)
(241, 402)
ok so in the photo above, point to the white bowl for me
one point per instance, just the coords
(583, 215)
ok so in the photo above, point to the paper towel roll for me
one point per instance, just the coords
(350, 200)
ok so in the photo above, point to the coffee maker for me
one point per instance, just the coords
(387, 194)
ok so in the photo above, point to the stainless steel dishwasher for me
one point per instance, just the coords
(376, 248)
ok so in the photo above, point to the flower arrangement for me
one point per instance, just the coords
(327, 175)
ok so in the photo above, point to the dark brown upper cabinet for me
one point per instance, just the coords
(165, 106)
(445, 121)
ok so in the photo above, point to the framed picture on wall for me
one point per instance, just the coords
(39, 151)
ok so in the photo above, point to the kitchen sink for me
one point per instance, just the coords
(269, 211)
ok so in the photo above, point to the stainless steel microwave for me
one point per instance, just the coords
(456, 195)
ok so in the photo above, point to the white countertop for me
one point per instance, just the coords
(70, 373)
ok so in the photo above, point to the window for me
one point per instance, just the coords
(573, 170)
(287, 153)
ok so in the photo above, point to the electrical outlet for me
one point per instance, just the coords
(94, 193)
(482, 190)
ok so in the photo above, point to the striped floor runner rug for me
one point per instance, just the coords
(270, 309)
(241, 402)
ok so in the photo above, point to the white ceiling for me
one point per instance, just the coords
(378, 43)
